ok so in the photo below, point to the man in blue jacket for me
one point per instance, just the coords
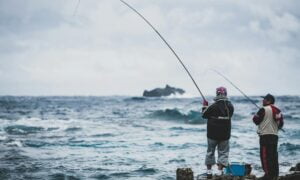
(218, 117)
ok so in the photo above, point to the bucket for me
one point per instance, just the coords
(236, 169)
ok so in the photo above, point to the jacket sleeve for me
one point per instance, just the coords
(259, 116)
(277, 116)
(207, 112)
(280, 122)
(231, 110)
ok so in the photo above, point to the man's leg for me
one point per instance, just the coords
(273, 160)
(210, 156)
(269, 155)
(223, 154)
(263, 155)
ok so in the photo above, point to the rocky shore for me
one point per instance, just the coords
(187, 174)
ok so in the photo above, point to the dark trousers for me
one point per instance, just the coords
(269, 155)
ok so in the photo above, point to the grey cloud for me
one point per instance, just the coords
(44, 45)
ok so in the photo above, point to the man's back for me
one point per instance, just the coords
(219, 119)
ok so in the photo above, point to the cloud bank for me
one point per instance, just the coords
(106, 49)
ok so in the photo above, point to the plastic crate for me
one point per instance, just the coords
(236, 169)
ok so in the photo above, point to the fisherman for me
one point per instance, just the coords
(218, 130)
(269, 120)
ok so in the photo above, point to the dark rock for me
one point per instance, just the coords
(295, 173)
(187, 174)
(293, 176)
(227, 177)
(184, 174)
(159, 92)
(248, 169)
(296, 168)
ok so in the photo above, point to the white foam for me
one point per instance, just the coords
(15, 144)
(2, 138)
(50, 123)
(179, 96)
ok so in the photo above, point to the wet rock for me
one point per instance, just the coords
(229, 177)
(293, 176)
(296, 168)
(184, 174)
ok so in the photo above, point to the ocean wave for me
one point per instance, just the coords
(72, 129)
(288, 98)
(104, 135)
(177, 161)
(100, 176)
(22, 130)
(145, 171)
(4, 173)
(156, 145)
(238, 117)
(62, 176)
(187, 129)
(183, 146)
(289, 146)
(70, 143)
(137, 99)
(291, 117)
(9, 116)
(179, 96)
(193, 117)
(141, 99)
(242, 100)
(52, 128)
(3, 138)
(14, 143)
(293, 133)
(35, 144)
(120, 174)
(13, 155)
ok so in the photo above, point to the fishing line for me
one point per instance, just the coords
(167, 45)
(240, 91)
(75, 11)
(236, 87)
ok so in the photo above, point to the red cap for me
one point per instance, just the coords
(221, 91)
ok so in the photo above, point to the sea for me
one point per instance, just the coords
(125, 137)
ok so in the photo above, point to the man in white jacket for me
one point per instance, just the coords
(269, 120)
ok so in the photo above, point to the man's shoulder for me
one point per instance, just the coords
(275, 108)
(211, 107)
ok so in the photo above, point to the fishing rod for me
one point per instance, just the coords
(167, 45)
(236, 87)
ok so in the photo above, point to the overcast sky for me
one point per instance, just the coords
(47, 47)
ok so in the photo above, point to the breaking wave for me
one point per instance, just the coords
(22, 130)
(289, 149)
(193, 117)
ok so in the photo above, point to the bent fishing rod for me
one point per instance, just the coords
(167, 45)
(236, 87)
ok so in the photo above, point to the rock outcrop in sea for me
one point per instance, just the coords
(160, 92)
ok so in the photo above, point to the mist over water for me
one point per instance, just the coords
(126, 137)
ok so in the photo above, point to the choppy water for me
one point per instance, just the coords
(125, 137)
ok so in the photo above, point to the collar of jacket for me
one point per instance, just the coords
(220, 98)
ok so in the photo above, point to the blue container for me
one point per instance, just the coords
(236, 169)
